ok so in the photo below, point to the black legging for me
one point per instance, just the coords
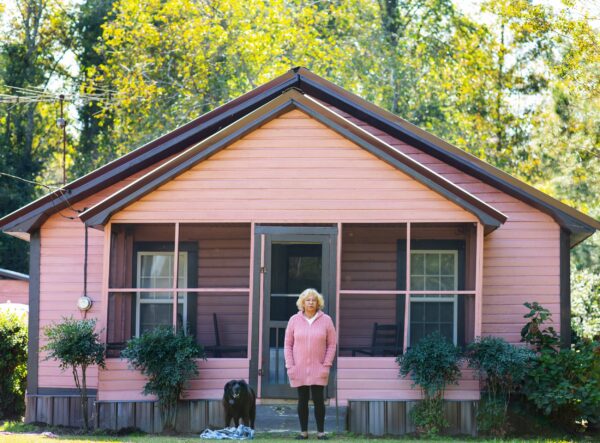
(304, 393)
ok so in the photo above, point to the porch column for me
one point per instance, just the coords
(175, 276)
(479, 280)
(407, 293)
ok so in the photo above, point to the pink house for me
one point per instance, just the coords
(14, 287)
(295, 184)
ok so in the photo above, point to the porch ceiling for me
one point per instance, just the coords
(98, 215)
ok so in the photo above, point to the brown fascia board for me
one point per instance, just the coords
(27, 218)
(99, 215)
(578, 224)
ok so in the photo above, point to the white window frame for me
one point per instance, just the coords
(183, 263)
(437, 298)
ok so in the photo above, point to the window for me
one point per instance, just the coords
(433, 270)
(155, 308)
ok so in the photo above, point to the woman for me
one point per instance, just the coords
(309, 347)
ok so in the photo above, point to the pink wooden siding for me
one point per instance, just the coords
(366, 378)
(521, 258)
(61, 279)
(223, 253)
(14, 291)
(118, 382)
(293, 169)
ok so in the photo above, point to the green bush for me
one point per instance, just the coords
(76, 345)
(502, 368)
(565, 385)
(13, 364)
(534, 334)
(168, 359)
(432, 364)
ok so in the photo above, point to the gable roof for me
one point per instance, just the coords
(28, 218)
(291, 99)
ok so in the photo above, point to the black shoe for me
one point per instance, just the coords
(301, 437)
(322, 437)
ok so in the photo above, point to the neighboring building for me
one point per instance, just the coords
(14, 287)
(295, 184)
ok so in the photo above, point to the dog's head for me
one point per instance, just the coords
(233, 389)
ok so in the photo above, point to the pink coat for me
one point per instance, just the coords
(309, 349)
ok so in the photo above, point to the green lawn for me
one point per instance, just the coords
(18, 432)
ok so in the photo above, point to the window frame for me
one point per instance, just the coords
(140, 301)
(458, 245)
(189, 247)
(418, 298)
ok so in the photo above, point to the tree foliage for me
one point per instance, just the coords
(13, 364)
(585, 305)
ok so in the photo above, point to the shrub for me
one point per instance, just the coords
(76, 345)
(502, 368)
(432, 364)
(533, 332)
(565, 385)
(168, 360)
(562, 384)
(13, 364)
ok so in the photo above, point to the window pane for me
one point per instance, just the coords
(427, 317)
(155, 314)
(446, 312)
(432, 312)
(432, 284)
(155, 296)
(417, 283)
(447, 264)
(417, 312)
(417, 264)
(447, 331)
(447, 283)
(432, 264)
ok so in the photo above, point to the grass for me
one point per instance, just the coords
(18, 432)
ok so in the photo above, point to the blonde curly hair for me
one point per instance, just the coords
(307, 293)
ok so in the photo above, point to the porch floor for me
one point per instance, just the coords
(284, 418)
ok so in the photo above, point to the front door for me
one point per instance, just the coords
(293, 262)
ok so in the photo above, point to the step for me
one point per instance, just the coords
(283, 417)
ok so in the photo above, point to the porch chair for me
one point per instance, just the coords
(218, 350)
(385, 341)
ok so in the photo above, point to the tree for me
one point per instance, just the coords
(76, 345)
(94, 147)
(31, 50)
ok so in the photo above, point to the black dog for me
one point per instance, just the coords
(239, 401)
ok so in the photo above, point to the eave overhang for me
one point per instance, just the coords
(30, 217)
(98, 215)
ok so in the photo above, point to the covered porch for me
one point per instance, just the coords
(386, 285)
